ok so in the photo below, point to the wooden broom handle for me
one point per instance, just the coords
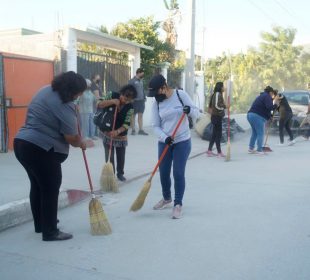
(83, 151)
(167, 146)
(114, 121)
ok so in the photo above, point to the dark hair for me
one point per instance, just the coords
(128, 91)
(68, 85)
(139, 70)
(218, 87)
(268, 89)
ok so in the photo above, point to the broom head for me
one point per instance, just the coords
(138, 203)
(108, 181)
(99, 223)
(267, 149)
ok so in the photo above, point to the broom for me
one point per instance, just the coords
(266, 148)
(107, 179)
(99, 223)
(138, 203)
(228, 119)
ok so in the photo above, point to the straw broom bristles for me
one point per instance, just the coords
(98, 220)
(138, 203)
(107, 179)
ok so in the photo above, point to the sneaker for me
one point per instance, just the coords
(252, 151)
(133, 132)
(290, 143)
(121, 177)
(220, 155)
(162, 204)
(142, 132)
(281, 145)
(305, 138)
(211, 154)
(176, 212)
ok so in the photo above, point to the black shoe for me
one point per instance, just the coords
(142, 132)
(58, 236)
(133, 132)
(121, 177)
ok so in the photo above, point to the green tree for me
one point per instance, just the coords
(146, 31)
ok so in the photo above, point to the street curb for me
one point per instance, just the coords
(19, 211)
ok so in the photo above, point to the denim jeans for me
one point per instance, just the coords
(177, 154)
(87, 125)
(258, 126)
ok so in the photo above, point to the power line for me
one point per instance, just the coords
(294, 16)
(262, 10)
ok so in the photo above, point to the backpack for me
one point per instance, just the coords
(104, 118)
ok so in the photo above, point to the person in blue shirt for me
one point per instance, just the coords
(259, 113)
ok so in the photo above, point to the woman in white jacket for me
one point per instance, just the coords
(166, 111)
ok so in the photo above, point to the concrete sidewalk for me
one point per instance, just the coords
(141, 155)
(243, 219)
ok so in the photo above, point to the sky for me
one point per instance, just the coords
(221, 25)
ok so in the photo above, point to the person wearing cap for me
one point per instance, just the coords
(166, 111)
(139, 102)
(87, 103)
(285, 120)
(259, 113)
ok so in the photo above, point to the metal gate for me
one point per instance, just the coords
(114, 71)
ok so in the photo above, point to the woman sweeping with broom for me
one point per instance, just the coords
(118, 135)
(42, 144)
(169, 107)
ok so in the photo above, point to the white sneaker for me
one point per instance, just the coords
(162, 204)
(281, 145)
(251, 151)
(290, 143)
(261, 153)
(176, 212)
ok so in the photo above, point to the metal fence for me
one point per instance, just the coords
(114, 71)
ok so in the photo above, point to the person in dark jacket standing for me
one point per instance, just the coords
(218, 112)
(42, 144)
(285, 120)
(259, 113)
(123, 102)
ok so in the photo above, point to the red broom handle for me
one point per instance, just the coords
(167, 146)
(228, 113)
(83, 151)
(114, 121)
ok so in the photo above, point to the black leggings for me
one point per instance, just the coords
(120, 158)
(44, 172)
(216, 133)
(285, 123)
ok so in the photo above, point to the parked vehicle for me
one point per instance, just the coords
(299, 101)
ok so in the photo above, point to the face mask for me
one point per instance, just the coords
(160, 97)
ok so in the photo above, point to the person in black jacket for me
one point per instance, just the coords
(286, 115)
(123, 102)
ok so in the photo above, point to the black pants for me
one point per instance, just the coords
(216, 133)
(285, 123)
(44, 172)
(120, 158)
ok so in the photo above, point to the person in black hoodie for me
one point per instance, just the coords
(259, 113)
(285, 120)
(123, 102)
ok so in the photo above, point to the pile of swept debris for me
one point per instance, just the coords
(204, 128)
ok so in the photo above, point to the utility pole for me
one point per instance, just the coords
(190, 52)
